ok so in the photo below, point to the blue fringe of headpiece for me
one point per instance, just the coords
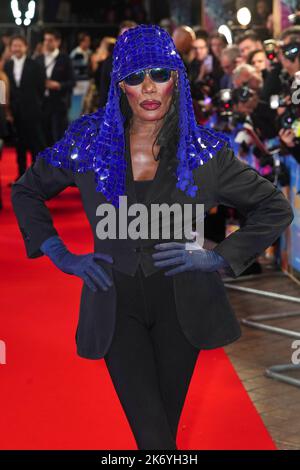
(97, 142)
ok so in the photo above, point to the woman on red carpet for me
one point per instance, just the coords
(148, 305)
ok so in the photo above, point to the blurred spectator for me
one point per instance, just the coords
(106, 68)
(5, 92)
(38, 50)
(248, 42)
(247, 74)
(27, 85)
(183, 37)
(229, 61)
(288, 137)
(263, 118)
(200, 32)
(260, 61)
(92, 97)
(217, 44)
(80, 56)
(59, 85)
(247, 101)
(273, 84)
(6, 54)
(101, 53)
(290, 65)
(261, 13)
(204, 71)
(110, 44)
(288, 110)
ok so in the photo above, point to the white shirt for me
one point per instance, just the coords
(18, 68)
(85, 53)
(50, 59)
(50, 62)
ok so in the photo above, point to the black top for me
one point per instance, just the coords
(141, 187)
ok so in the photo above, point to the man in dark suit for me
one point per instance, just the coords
(27, 85)
(59, 85)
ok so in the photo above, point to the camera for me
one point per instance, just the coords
(288, 120)
(291, 116)
(271, 47)
(225, 102)
(242, 94)
(277, 101)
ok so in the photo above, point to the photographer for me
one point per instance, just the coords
(288, 138)
(247, 102)
(246, 73)
(204, 71)
(248, 42)
(288, 109)
(273, 83)
(258, 59)
(289, 56)
(229, 62)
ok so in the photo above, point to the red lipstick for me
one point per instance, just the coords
(150, 104)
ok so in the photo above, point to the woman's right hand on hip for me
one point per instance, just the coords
(83, 266)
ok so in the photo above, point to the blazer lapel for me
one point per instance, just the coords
(24, 71)
(10, 71)
(56, 63)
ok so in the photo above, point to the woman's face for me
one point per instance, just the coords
(217, 45)
(149, 90)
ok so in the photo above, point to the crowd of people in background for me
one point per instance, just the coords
(39, 91)
(249, 80)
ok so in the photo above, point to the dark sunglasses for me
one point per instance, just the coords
(158, 75)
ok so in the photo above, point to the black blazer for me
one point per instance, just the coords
(203, 308)
(64, 74)
(26, 100)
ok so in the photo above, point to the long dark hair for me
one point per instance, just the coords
(169, 133)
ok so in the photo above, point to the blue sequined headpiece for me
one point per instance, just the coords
(97, 141)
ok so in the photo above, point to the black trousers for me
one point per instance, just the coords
(150, 361)
(55, 121)
(29, 136)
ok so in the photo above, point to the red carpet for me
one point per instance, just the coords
(53, 399)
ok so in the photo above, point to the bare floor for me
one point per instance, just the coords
(278, 403)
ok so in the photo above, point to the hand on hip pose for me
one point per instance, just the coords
(177, 254)
(83, 266)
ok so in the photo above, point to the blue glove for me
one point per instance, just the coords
(178, 254)
(84, 266)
